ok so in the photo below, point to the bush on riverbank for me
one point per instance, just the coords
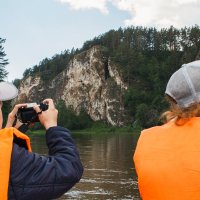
(96, 128)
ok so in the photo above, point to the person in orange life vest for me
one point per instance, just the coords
(25, 175)
(167, 157)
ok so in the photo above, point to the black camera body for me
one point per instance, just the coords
(27, 114)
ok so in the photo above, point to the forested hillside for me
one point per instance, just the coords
(145, 57)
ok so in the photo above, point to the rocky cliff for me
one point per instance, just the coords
(89, 82)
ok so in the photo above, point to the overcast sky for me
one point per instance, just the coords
(36, 29)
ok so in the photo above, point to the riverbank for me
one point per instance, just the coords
(97, 128)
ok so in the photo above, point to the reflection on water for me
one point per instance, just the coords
(108, 166)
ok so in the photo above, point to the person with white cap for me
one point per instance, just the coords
(7, 92)
(167, 157)
(25, 175)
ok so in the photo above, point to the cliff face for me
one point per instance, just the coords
(90, 82)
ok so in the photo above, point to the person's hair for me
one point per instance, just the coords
(178, 114)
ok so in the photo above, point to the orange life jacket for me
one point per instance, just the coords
(6, 143)
(167, 162)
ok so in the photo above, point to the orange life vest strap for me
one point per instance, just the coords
(6, 144)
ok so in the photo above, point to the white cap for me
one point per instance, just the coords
(184, 84)
(7, 91)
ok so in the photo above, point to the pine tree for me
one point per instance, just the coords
(3, 61)
(3, 74)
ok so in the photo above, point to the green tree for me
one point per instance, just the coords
(69, 119)
(16, 82)
(3, 61)
(3, 74)
(146, 116)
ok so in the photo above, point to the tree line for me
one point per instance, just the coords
(66, 117)
(145, 57)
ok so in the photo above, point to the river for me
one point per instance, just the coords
(108, 166)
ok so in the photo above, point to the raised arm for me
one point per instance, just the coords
(46, 177)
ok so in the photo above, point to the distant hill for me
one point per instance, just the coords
(118, 77)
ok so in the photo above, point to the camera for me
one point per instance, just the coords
(27, 114)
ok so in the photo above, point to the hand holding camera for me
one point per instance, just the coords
(27, 113)
(45, 112)
(12, 117)
(48, 118)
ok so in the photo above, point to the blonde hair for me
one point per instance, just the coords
(178, 114)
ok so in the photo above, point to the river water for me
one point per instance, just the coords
(108, 166)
